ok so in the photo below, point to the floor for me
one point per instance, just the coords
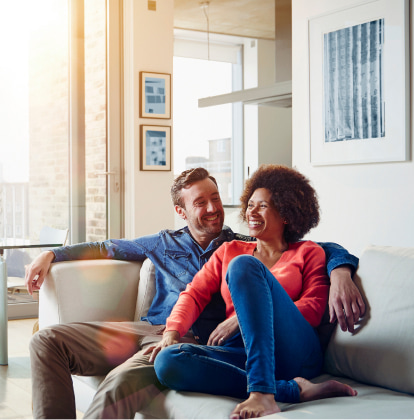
(15, 383)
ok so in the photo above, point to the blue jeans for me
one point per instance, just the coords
(276, 344)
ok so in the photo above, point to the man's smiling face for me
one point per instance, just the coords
(202, 210)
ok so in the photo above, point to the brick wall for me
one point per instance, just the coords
(95, 119)
(48, 121)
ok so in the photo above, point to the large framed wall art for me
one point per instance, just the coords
(359, 84)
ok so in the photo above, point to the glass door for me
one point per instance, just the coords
(102, 90)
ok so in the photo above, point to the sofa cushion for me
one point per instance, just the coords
(380, 352)
(371, 403)
(146, 289)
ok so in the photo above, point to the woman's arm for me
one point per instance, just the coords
(197, 295)
(190, 304)
(315, 284)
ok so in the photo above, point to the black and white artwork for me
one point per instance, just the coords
(354, 82)
(155, 145)
(154, 95)
(155, 148)
(359, 84)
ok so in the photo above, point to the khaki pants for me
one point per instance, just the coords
(111, 349)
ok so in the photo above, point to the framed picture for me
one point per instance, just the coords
(359, 84)
(155, 148)
(155, 96)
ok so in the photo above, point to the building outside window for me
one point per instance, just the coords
(208, 137)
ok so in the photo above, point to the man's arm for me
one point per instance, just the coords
(345, 301)
(37, 270)
(118, 249)
(337, 255)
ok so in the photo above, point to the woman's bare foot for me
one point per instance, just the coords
(328, 389)
(257, 405)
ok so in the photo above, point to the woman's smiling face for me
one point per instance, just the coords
(263, 220)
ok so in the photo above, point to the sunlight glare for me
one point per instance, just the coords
(17, 19)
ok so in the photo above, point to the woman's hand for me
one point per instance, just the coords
(223, 332)
(168, 338)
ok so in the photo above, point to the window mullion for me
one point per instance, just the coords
(77, 204)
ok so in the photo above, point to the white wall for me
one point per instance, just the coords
(148, 46)
(361, 204)
(267, 130)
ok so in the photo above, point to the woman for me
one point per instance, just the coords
(277, 288)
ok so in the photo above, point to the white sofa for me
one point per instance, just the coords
(377, 360)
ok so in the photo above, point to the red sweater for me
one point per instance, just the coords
(300, 270)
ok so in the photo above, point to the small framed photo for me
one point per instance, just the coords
(155, 148)
(155, 95)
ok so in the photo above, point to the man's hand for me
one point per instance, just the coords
(345, 301)
(223, 332)
(37, 270)
(168, 338)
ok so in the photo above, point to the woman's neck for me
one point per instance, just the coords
(271, 247)
(269, 252)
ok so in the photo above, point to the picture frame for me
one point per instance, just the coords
(155, 148)
(359, 84)
(155, 95)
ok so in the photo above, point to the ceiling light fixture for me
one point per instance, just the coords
(204, 5)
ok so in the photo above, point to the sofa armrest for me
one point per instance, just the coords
(89, 290)
(146, 289)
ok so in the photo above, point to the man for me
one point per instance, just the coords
(117, 350)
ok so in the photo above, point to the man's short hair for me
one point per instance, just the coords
(185, 180)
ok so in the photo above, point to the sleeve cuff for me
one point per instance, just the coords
(349, 260)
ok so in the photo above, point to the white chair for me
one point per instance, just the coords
(49, 235)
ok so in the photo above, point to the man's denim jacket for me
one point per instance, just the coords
(177, 258)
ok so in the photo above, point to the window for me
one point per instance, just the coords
(54, 136)
(34, 181)
(208, 137)
(37, 114)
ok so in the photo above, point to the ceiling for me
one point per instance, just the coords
(248, 18)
